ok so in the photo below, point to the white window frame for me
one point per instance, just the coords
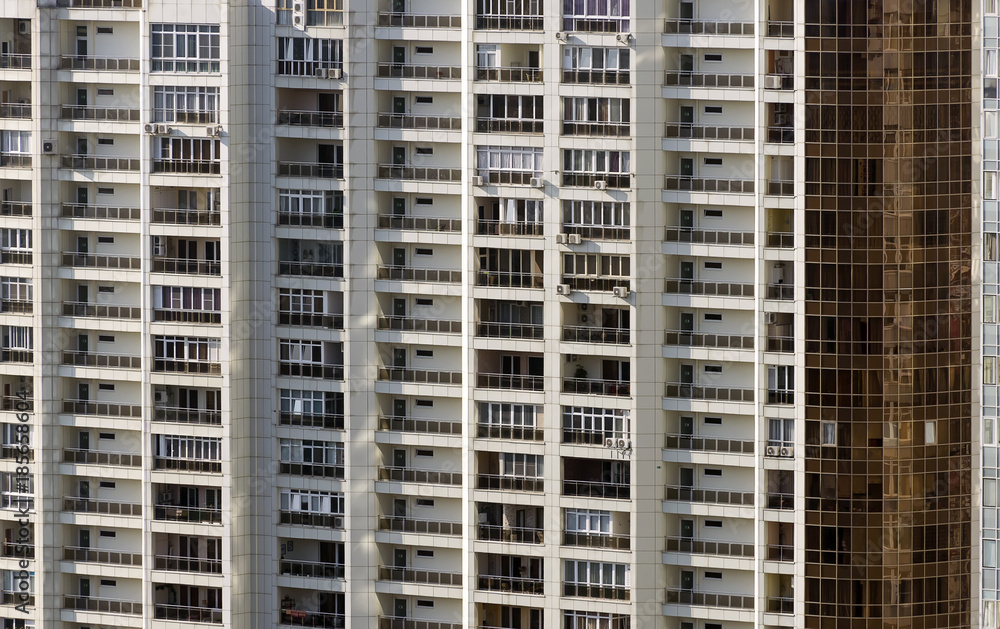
(305, 501)
(509, 159)
(596, 162)
(587, 58)
(185, 47)
(186, 104)
(18, 338)
(614, 423)
(300, 352)
(520, 465)
(16, 289)
(189, 298)
(15, 142)
(302, 402)
(596, 213)
(508, 414)
(330, 453)
(597, 573)
(188, 448)
(303, 56)
(588, 521)
(310, 202)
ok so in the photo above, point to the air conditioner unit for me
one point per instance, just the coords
(620, 443)
(772, 82)
(563, 289)
(477, 180)
(620, 291)
(335, 73)
(536, 182)
(771, 451)
(624, 38)
(298, 20)
(770, 317)
(609, 443)
(148, 128)
(574, 239)
(49, 147)
(561, 35)
(298, 6)
(600, 184)
(322, 73)
(561, 239)
(159, 397)
(23, 27)
(211, 132)
(787, 451)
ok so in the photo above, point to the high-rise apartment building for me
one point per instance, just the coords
(506, 314)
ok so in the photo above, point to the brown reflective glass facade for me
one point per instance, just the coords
(888, 477)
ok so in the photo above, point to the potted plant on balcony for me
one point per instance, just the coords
(581, 372)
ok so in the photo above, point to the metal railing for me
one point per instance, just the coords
(415, 575)
(512, 534)
(332, 321)
(592, 334)
(781, 135)
(187, 613)
(694, 443)
(489, 227)
(779, 187)
(689, 131)
(510, 279)
(687, 391)
(187, 266)
(680, 183)
(96, 555)
(321, 470)
(178, 464)
(596, 540)
(309, 370)
(186, 366)
(596, 489)
(780, 552)
(84, 112)
(599, 232)
(780, 396)
(418, 121)
(509, 125)
(8, 355)
(420, 376)
(418, 173)
(316, 170)
(177, 315)
(411, 475)
(587, 590)
(677, 78)
(492, 329)
(187, 166)
(103, 605)
(780, 605)
(780, 291)
(303, 118)
(780, 240)
(98, 457)
(15, 61)
(106, 4)
(15, 208)
(708, 547)
(410, 274)
(509, 177)
(15, 110)
(20, 306)
(95, 359)
(330, 421)
(592, 437)
(416, 525)
(777, 28)
(312, 569)
(599, 284)
(100, 212)
(777, 81)
(178, 216)
(312, 269)
(110, 64)
(94, 162)
(103, 507)
(415, 20)
(518, 585)
(502, 482)
(509, 74)
(179, 415)
(180, 513)
(604, 129)
(410, 71)
(419, 424)
(589, 180)
(596, 24)
(304, 618)
(683, 493)
(323, 520)
(419, 223)
(178, 563)
(508, 381)
(596, 386)
(683, 596)
(781, 501)
(510, 22)
(15, 160)
(597, 77)
(707, 236)
(700, 339)
(782, 344)
(683, 286)
(680, 26)
(505, 431)
(100, 260)
(329, 220)
(413, 324)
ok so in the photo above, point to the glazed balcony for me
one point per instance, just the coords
(179, 315)
(330, 421)
(419, 376)
(102, 605)
(412, 475)
(497, 330)
(310, 269)
(782, 292)
(80, 112)
(510, 382)
(419, 223)
(683, 493)
(194, 366)
(678, 78)
(692, 443)
(780, 552)
(596, 129)
(587, 590)
(180, 513)
(100, 212)
(186, 266)
(510, 279)
(187, 613)
(305, 118)
(100, 359)
(102, 64)
(684, 596)
(79, 504)
(690, 391)
(311, 370)
(15, 160)
(413, 324)
(509, 22)
(506, 482)
(311, 569)
(509, 74)
(679, 183)
(488, 227)
(179, 216)
(596, 77)
(780, 187)
(411, 274)
(684, 338)
(777, 28)
(11, 355)
(596, 284)
(680, 26)
(303, 518)
(183, 464)
(615, 181)
(102, 457)
(694, 546)
(15, 110)
(599, 232)
(780, 240)
(414, 575)
(412, 71)
(17, 306)
(106, 163)
(100, 261)
(708, 236)
(179, 415)
(15, 208)
(416, 525)
(596, 540)
(685, 286)
(611, 24)
(402, 172)
(509, 534)
(420, 425)
(507, 431)
(415, 20)
(485, 124)
(419, 121)
(15, 256)
(315, 170)
(17, 551)
(781, 135)
(330, 321)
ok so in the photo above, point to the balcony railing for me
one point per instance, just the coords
(589, 180)
(587, 590)
(10, 355)
(92, 162)
(419, 223)
(187, 166)
(782, 344)
(512, 534)
(415, 20)
(420, 376)
(689, 391)
(708, 444)
(599, 232)
(95, 359)
(80, 112)
(178, 216)
(310, 370)
(596, 489)
(100, 212)
(509, 125)
(106, 4)
(596, 23)
(15, 110)
(109, 64)
(410, 274)
(596, 540)
(410, 71)
(683, 596)
(510, 382)
(418, 173)
(510, 74)
(312, 569)
(103, 507)
(103, 605)
(331, 321)
(780, 187)
(780, 500)
(516, 585)
(596, 386)
(15, 160)
(597, 77)
(502, 482)
(700, 339)
(592, 437)
(187, 613)
(179, 464)
(779, 552)
(186, 366)
(97, 457)
(508, 177)
(708, 547)
(329, 470)
(496, 330)
(305, 618)
(331, 421)
(15, 61)
(420, 425)
(187, 266)
(19, 306)
(677, 183)
(780, 396)
(179, 315)
(780, 240)
(311, 269)
(412, 324)
(419, 121)
(599, 284)
(597, 129)
(93, 555)
(684, 286)
(302, 118)
(592, 334)
(413, 575)
(177, 563)
(16, 451)
(676, 78)
(328, 220)
(510, 22)
(682, 493)
(780, 605)
(679, 26)
(505, 431)
(510, 279)
(780, 29)
(15, 208)
(100, 260)
(179, 415)
(416, 525)
(18, 550)
(316, 170)
(777, 81)
(781, 135)
(486, 227)
(708, 236)
(305, 518)
(180, 513)
(411, 475)
(780, 291)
